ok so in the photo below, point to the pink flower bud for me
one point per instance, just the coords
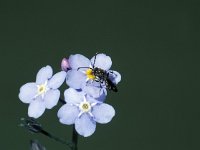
(65, 64)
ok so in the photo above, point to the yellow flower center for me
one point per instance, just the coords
(90, 74)
(42, 89)
(85, 106)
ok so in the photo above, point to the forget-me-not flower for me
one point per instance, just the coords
(84, 111)
(43, 93)
(81, 73)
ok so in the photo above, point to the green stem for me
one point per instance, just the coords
(75, 138)
(33, 126)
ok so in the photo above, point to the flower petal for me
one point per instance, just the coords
(67, 114)
(44, 74)
(78, 60)
(103, 95)
(36, 108)
(84, 125)
(102, 61)
(27, 92)
(92, 90)
(114, 76)
(57, 80)
(51, 98)
(91, 99)
(75, 79)
(72, 96)
(103, 113)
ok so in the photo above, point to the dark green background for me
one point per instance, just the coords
(154, 45)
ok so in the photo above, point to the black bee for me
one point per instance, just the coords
(102, 76)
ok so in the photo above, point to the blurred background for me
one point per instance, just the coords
(153, 44)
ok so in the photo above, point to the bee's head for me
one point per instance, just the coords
(95, 69)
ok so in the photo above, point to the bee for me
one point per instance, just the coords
(102, 76)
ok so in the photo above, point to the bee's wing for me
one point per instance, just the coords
(35, 145)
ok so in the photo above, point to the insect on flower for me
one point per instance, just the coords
(102, 76)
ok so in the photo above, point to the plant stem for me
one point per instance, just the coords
(62, 101)
(75, 138)
(56, 138)
(74, 133)
(33, 126)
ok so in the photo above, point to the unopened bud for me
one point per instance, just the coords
(65, 64)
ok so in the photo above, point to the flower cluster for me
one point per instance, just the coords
(88, 82)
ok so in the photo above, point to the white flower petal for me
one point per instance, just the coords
(75, 79)
(91, 100)
(72, 96)
(44, 74)
(103, 95)
(103, 113)
(27, 92)
(51, 98)
(57, 80)
(84, 125)
(78, 60)
(36, 108)
(67, 114)
(114, 76)
(92, 90)
(102, 61)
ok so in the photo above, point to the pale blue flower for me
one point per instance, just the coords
(81, 77)
(84, 111)
(43, 93)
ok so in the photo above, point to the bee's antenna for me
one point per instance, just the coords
(95, 59)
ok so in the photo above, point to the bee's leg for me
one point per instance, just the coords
(100, 83)
(97, 80)
(103, 83)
